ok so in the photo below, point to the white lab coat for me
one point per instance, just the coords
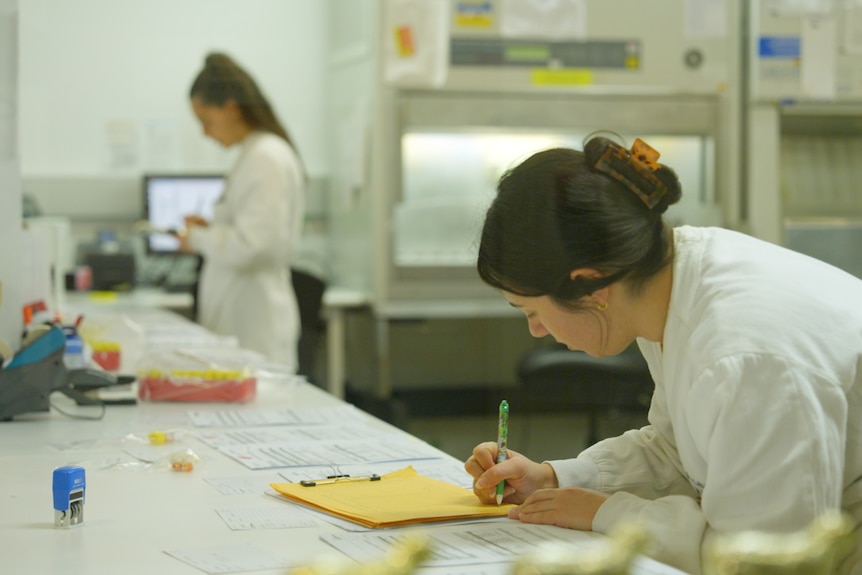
(756, 420)
(245, 286)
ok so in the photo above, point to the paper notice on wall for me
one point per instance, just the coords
(161, 145)
(818, 58)
(543, 19)
(474, 15)
(706, 18)
(122, 147)
(416, 42)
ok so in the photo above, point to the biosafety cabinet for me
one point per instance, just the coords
(804, 127)
(432, 100)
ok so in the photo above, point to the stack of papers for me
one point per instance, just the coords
(400, 498)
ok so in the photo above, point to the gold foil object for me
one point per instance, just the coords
(403, 559)
(817, 550)
(611, 556)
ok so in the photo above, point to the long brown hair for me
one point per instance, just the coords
(222, 79)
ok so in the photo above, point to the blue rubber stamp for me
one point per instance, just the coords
(69, 486)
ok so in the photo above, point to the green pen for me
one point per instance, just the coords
(502, 439)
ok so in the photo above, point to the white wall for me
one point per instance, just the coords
(23, 256)
(103, 85)
(10, 186)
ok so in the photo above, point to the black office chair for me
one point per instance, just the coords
(309, 295)
(573, 380)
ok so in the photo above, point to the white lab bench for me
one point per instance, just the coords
(134, 512)
(142, 518)
(336, 303)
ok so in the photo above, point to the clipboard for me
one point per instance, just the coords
(402, 497)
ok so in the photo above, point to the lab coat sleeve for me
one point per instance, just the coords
(643, 461)
(259, 217)
(773, 436)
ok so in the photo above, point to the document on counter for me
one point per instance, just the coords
(330, 453)
(402, 497)
(291, 434)
(242, 518)
(221, 559)
(479, 544)
(287, 416)
(239, 485)
(458, 545)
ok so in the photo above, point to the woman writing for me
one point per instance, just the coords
(245, 287)
(755, 350)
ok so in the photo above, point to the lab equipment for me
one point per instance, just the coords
(106, 354)
(111, 271)
(804, 127)
(35, 371)
(196, 385)
(74, 357)
(408, 201)
(69, 490)
(439, 148)
(191, 374)
(169, 198)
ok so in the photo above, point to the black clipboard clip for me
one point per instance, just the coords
(339, 479)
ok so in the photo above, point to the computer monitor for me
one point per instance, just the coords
(169, 198)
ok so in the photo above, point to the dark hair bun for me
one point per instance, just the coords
(597, 145)
(674, 189)
(218, 60)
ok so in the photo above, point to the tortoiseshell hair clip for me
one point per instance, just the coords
(635, 169)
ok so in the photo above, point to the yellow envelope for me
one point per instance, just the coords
(399, 498)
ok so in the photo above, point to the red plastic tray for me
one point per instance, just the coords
(164, 389)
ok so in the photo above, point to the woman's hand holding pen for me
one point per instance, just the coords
(522, 476)
(534, 487)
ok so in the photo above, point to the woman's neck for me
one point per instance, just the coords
(654, 305)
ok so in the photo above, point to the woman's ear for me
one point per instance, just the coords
(585, 273)
(232, 108)
(599, 297)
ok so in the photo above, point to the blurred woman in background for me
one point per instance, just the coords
(245, 286)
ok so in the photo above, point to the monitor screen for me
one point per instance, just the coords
(169, 198)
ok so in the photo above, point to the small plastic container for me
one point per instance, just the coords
(75, 356)
(197, 385)
(106, 354)
(198, 374)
